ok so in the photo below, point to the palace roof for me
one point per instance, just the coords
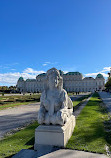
(73, 73)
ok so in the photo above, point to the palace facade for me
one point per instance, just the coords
(72, 82)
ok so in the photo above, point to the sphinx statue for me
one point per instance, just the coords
(56, 107)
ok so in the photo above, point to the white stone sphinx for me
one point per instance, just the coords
(56, 107)
(55, 114)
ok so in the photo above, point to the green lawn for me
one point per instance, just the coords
(80, 100)
(89, 133)
(18, 98)
(74, 93)
(12, 101)
(11, 105)
(23, 139)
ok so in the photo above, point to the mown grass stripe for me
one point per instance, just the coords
(23, 139)
(80, 100)
(89, 133)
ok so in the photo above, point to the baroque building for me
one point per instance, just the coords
(72, 82)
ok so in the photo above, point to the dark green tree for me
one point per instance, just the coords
(108, 84)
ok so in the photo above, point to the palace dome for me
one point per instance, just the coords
(21, 79)
(99, 76)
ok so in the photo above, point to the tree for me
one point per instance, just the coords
(108, 84)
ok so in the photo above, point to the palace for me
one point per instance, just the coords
(72, 82)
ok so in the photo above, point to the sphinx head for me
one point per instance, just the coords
(54, 79)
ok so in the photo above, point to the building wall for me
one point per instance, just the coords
(72, 83)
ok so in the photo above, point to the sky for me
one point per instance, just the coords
(71, 35)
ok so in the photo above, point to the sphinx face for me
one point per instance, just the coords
(53, 81)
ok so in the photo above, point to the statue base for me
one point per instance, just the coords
(54, 135)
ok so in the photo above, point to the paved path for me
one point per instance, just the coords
(13, 118)
(73, 154)
(106, 97)
(61, 153)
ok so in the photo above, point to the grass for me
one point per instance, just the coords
(11, 105)
(79, 100)
(12, 101)
(23, 139)
(89, 133)
(18, 98)
(74, 93)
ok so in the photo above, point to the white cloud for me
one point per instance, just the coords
(105, 69)
(103, 72)
(44, 64)
(12, 77)
(32, 71)
(8, 66)
(12, 64)
(65, 71)
(4, 67)
(95, 74)
(49, 63)
(9, 78)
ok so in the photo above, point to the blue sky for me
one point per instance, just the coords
(71, 35)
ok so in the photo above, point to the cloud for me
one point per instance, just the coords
(49, 63)
(32, 71)
(103, 72)
(4, 67)
(44, 64)
(8, 66)
(11, 78)
(106, 69)
(95, 74)
(12, 64)
(65, 71)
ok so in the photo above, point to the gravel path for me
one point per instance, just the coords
(13, 118)
(16, 117)
(106, 98)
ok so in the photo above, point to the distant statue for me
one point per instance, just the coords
(56, 107)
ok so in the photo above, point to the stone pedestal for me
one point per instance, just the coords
(54, 135)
